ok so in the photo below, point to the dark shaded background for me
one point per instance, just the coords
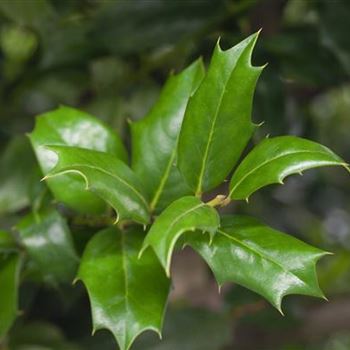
(111, 58)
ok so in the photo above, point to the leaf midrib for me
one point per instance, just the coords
(139, 195)
(260, 255)
(184, 214)
(269, 161)
(163, 180)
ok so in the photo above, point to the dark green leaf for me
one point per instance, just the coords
(69, 127)
(217, 123)
(274, 159)
(108, 177)
(155, 139)
(9, 278)
(127, 294)
(185, 214)
(190, 329)
(38, 335)
(47, 239)
(260, 258)
(7, 242)
(15, 175)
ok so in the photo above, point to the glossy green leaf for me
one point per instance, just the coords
(108, 177)
(15, 175)
(128, 295)
(217, 123)
(9, 278)
(260, 258)
(46, 238)
(154, 139)
(274, 159)
(67, 126)
(185, 214)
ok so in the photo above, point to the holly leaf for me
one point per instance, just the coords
(67, 126)
(268, 262)
(128, 295)
(154, 139)
(9, 279)
(106, 176)
(274, 159)
(46, 237)
(219, 113)
(186, 214)
(15, 176)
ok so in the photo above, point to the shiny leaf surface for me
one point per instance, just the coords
(274, 159)
(185, 214)
(127, 294)
(217, 123)
(46, 238)
(67, 126)
(9, 277)
(269, 262)
(155, 138)
(108, 177)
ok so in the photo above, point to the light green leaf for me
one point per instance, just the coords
(108, 177)
(128, 295)
(268, 262)
(274, 159)
(46, 237)
(217, 123)
(185, 214)
(9, 279)
(154, 139)
(15, 175)
(67, 126)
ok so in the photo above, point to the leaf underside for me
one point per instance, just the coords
(128, 295)
(269, 262)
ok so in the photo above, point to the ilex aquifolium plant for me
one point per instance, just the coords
(185, 147)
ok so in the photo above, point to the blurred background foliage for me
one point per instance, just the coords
(111, 58)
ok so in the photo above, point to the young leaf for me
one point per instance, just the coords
(67, 126)
(9, 278)
(128, 295)
(46, 238)
(219, 114)
(260, 258)
(274, 159)
(154, 139)
(185, 214)
(108, 177)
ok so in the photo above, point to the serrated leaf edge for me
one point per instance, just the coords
(254, 38)
(176, 237)
(278, 302)
(285, 174)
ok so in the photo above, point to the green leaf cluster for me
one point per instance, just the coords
(182, 152)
